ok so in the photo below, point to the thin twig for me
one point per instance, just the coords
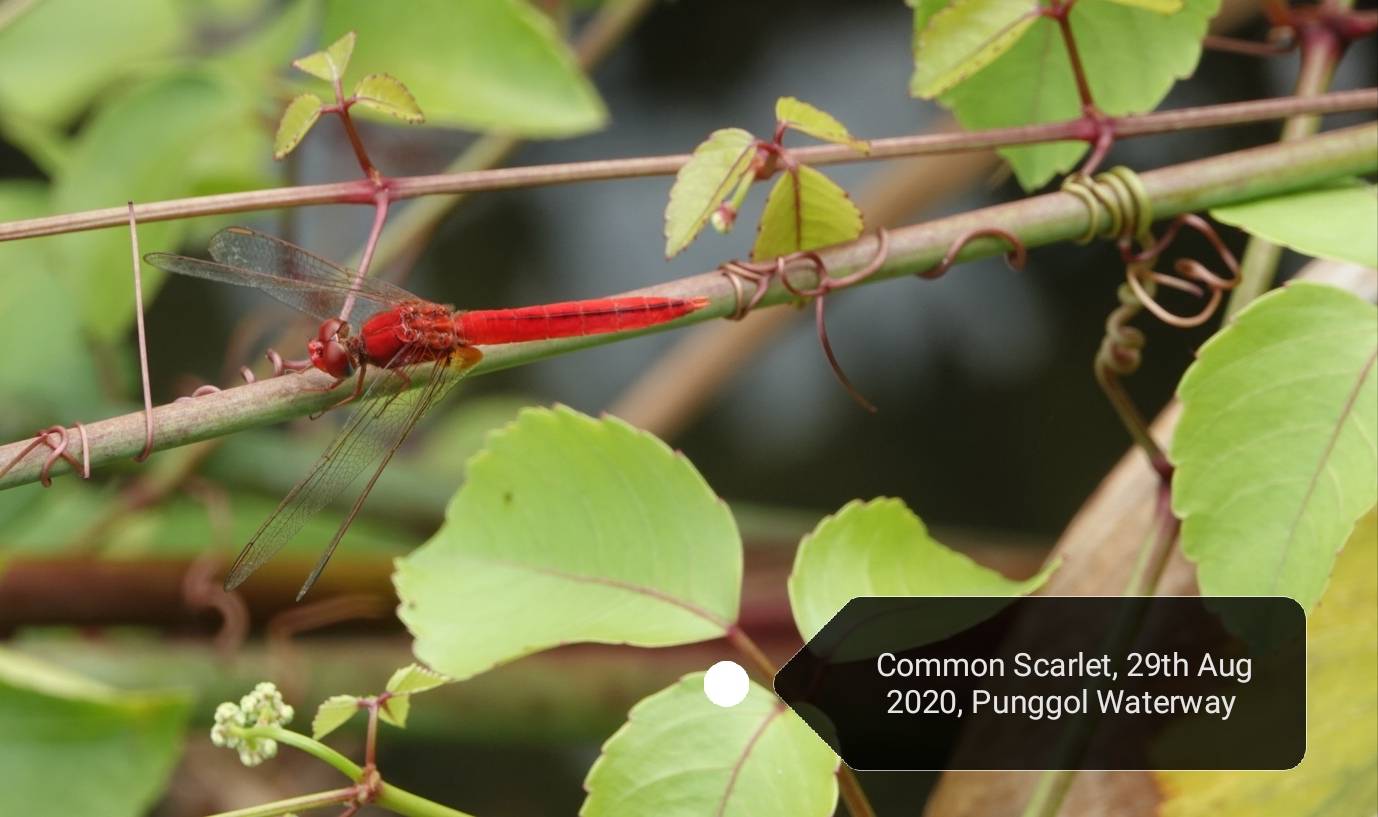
(1036, 221)
(362, 191)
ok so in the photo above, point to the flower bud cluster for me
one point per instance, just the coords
(262, 707)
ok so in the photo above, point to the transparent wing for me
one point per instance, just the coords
(373, 432)
(294, 276)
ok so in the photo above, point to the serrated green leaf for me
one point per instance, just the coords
(182, 134)
(881, 548)
(963, 38)
(1336, 776)
(679, 754)
(415, 678)
(805, 210)
(1339, 222)
(1159, 6)
(333, 713)
(819, 124)
(479, 64)
(1132, 58)
(387, 94)
(715, 169)
(330, 64)
(1275, 449)
(395, 710)
(300, 116)
(627, 546)
(75, 746)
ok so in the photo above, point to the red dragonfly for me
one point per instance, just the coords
(398, 330)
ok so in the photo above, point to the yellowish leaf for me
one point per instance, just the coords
(387, 94)
(301, 114)
(805, 118)
(805, 210)
(331, 63)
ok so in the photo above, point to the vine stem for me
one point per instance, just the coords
(1321, 49)
(362, 191)
(848, 786)
(389, 797)
(1036, 221)
(319, 799)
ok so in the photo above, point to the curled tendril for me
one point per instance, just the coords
(280, 366)
(761, 275)
(1194, 277)
(1016, 257)
(57, 438)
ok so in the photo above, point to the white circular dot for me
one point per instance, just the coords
(726, 683)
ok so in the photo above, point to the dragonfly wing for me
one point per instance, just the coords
(294, 276)
(371, 434)
(248, 249)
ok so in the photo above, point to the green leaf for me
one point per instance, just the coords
(415, 678)
(300, 117)
(1275, 449)
(715, 169)
(74, 746)
(58, 55)
(479, 64)
(963, 38)
(330, 64)
(571, 529)
(1339, 222)
(395, 710)
(880, 548)
(680, 755)
(805, 118)
(1132, 58)
(182, 134)
(805, 210)
(1160, 6)
(333, 713)
(1336, 776)
(387, 94)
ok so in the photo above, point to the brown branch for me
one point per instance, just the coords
(363, 191)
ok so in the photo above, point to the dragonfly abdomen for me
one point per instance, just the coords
(570, 319)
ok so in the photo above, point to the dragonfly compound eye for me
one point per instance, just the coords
(330, 357)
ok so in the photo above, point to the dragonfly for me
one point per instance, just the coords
(398, 332)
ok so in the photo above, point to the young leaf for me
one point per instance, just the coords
(1336, 776)
(300, 116)
(395, 710)
(330, 64)
(679, 753)
(75, 746)
(1339, 222)
(805, 210)
(478, 64)
(333, 713)
(717, 166)
(1275, 449)
(385, 93)
(805, 118)
(415, 678)
(628, 546)
(880, 548)
(965, 37)
(1132, 58)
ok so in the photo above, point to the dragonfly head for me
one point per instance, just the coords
(328, 351)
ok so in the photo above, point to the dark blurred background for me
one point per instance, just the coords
(990, 425)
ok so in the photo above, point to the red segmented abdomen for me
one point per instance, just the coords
(571, 319)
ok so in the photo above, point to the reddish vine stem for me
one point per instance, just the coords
(405, 187)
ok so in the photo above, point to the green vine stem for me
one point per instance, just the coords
(1321, 49)
(389, 797)
(1036, 221)
(363, 191)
